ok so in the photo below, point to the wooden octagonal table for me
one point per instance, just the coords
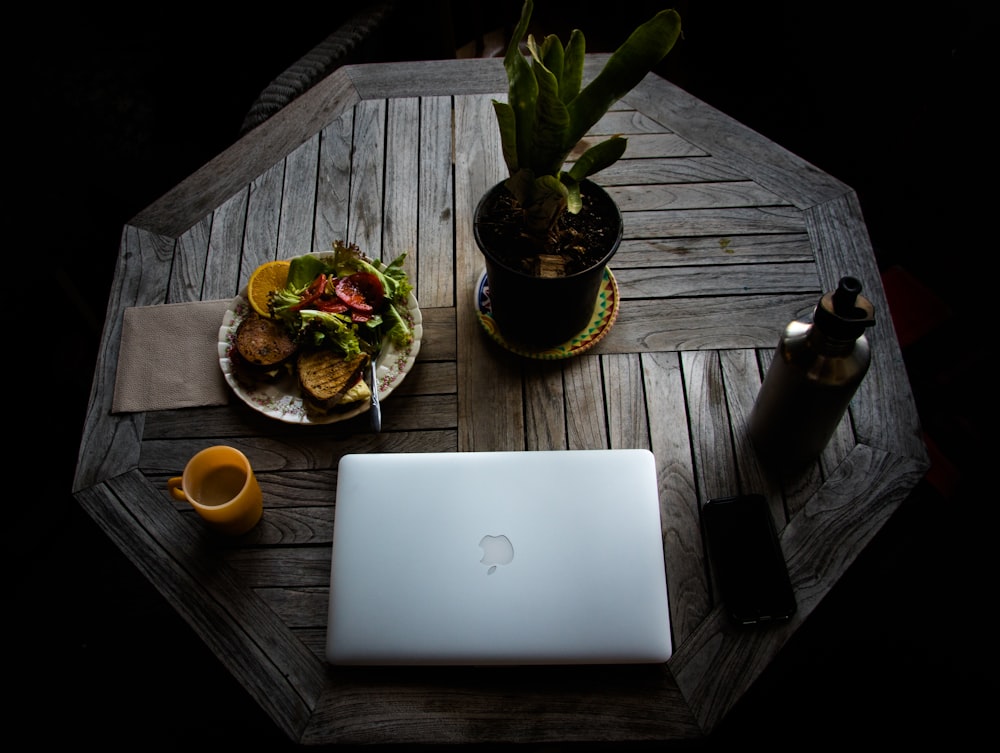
(727, 238)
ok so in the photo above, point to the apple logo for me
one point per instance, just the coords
(497, 550)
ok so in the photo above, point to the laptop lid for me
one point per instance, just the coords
(498, 558)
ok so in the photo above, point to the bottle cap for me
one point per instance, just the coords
(845, 313)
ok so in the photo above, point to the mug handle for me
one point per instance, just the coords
(174, 485)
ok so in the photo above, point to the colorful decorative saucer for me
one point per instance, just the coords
(605, 313)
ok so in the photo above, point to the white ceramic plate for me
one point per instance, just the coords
(283, 400)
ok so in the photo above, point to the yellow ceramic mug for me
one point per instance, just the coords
(219, 483)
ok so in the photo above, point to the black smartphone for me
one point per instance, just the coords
(746, 561)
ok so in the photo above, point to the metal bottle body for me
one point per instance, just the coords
(805, 394)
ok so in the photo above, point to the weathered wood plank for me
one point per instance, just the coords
(297, 566)
(669, 170)
(644, 145)
(333, 189)
(440, 340)
(407, 413)
(627, 420)
(298, 201)
(187, 275)
(233, 420)
(732, 280)
(710, 323)
(430, 378)
(401, 413)
(386, 705)
(741, 193)
(267, 453)
(225, 248)
(544, 406)
(434, 279)
(586, 415)
(435, 78)
(402, 164)
(720, 250)
(711, 439)
(721, 221)
(670, 443)
(312, 637)
(626, 122)
(304, 610)
(263, 215)
(367, 177)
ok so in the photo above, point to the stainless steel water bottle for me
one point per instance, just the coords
(815, 372)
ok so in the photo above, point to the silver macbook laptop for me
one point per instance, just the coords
(498, 558)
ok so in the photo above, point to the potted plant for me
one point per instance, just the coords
(547, 231)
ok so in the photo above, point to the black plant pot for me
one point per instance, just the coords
(541, 312)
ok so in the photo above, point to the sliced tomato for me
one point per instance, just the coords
(313, 292)
(330, 305)
(362, 291)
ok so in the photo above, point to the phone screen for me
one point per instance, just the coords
(746, 560)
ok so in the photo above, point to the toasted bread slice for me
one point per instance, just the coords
(262, 351)
(264, 343)
(325, 377)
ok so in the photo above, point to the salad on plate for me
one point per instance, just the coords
(344, 302)
(295, 343)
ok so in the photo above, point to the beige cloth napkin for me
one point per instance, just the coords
(169, 357)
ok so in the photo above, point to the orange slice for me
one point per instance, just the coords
(271, 275)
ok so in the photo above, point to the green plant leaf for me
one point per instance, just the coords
(598, 157)
(551, 121)
(626, 67)
(548, 112)
(574, 202)
(572, 78)
(551, 55)
(522, 88)
(508, 133)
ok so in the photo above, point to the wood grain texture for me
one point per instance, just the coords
(298, 205)
(368, 157)
(670, 442)
(433, 277)
(402, 166)
(333, 190)
(263, 215)
(727, 238)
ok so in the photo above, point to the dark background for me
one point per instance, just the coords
(110, 110)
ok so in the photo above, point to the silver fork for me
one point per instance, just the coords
(376, 409)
